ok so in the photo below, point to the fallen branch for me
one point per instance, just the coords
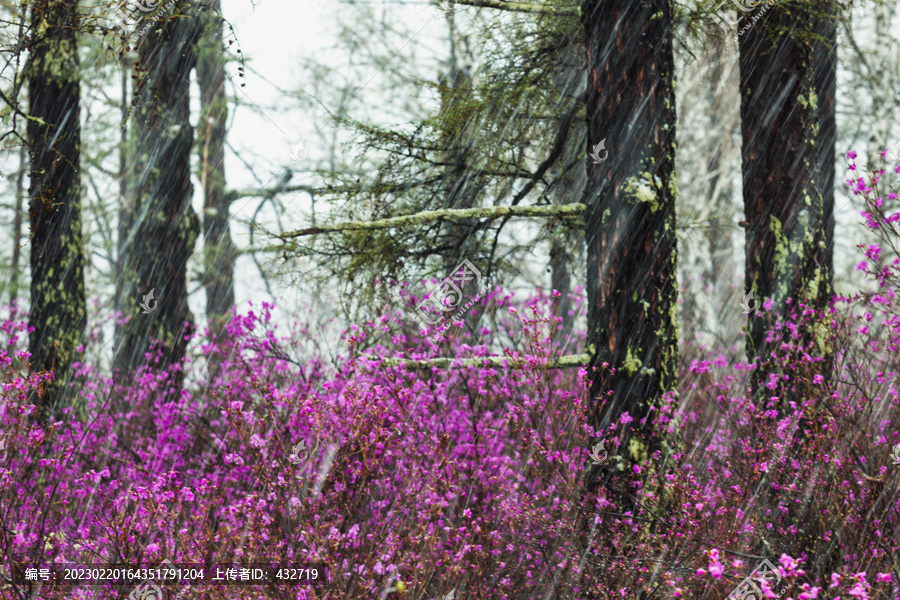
(449, 214)
(502, 362)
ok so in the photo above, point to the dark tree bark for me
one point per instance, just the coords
(219, 251)
(58, 307)
(787, 69)
(165, 228)
(630, 221)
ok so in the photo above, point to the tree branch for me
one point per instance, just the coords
(450, 214)
(270, 192)
(535, 9)
(563, 362)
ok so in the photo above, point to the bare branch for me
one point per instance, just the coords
(502, 362)
(535, 9)
(271, 192)
(450, 214)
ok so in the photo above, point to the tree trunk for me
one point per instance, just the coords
(165, 228)
(17, 230)
(219, 252)
(570, 82)
(630, 221)
(58, 306)
(460, 138)
(788, 130)
(708, 255)
(126, 208)
(720, 190)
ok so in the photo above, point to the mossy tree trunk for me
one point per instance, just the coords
(165, 227)
(58, 306)
(630, 223)
(787, 72)
(219, 251)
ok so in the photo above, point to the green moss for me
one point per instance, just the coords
(632, 363)
(638, 451)
(673, 186)
(644, 188)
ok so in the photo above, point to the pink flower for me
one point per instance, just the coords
(790, 565)
(809, 593)
(883, 577)
(858, 591)
(716, 568)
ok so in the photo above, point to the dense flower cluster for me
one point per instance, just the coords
(411, 481)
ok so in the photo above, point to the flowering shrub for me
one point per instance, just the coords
(409, 481)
